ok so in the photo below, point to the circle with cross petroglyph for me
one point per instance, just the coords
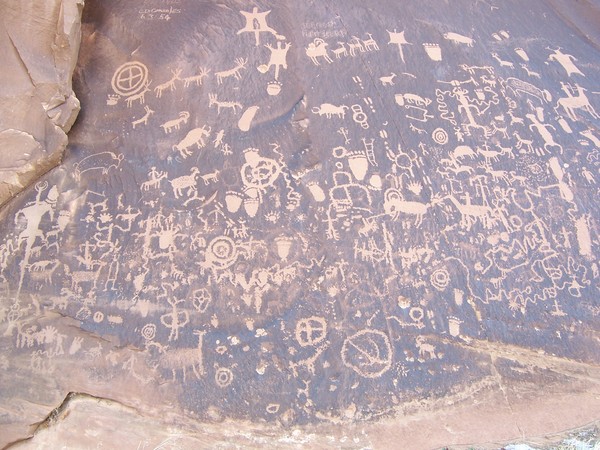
(130, 78)
(311, 331)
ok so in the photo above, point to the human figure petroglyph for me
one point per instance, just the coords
(316, 49)
(542, 129)
(398, 39)
(240, 63)
(33, 213)
(565, 60)
(256, 22)
(278, 57)
(175, 320)
(155, 179)
(170, 84)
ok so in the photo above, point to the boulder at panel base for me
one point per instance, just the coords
(348, 223)
(39, 44)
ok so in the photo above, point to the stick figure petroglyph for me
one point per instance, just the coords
(176, 319)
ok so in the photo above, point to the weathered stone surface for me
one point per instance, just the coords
(39, 41)
(319, 224)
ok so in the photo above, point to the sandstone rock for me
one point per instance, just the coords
(39, 41)
(311, 224)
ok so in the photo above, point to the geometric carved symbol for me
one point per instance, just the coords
(130, 78)
(368, 353)
(311, 331)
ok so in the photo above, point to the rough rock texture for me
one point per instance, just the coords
(39, 43)
(321, 223)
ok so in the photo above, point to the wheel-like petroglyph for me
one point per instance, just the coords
(130, 78)
(311, 331)
(368, 353)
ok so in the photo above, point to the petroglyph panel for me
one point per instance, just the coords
(292, 214)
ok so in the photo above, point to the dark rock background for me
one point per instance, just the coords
(370, 234)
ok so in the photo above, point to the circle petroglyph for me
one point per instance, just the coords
(201, 298)
(130, 78)
(368, 353)
(440, 136)
(221, 252)
(223, 377)
(311, 331)
(148, 331)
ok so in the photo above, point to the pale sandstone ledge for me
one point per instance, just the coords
(39, 42)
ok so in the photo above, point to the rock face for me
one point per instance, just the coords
(278, 219)
(39, 41)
